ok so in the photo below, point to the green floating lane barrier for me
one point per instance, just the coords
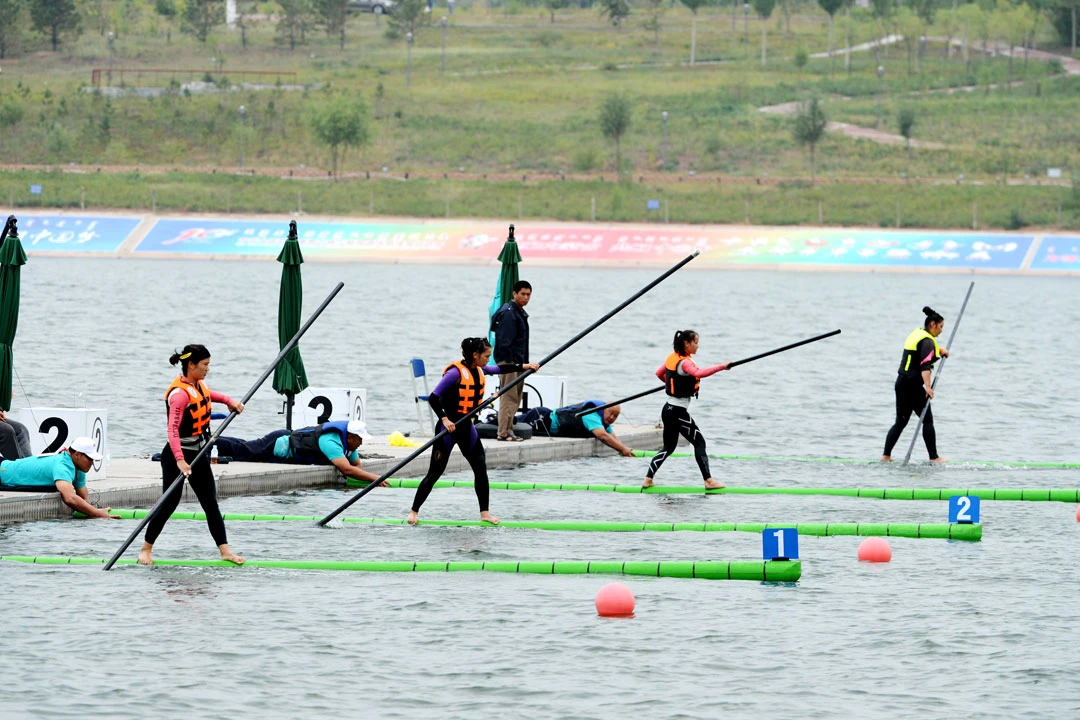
(1069, 495)
(867, 461)
(950, 531)
(761, 570)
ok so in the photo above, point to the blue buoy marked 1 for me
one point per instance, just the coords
(780, 544)
(964, 509)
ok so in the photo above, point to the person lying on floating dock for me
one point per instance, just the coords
(333, 443)
(64, 472)
(565, 422)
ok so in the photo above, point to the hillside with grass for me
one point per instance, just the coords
(507, 119)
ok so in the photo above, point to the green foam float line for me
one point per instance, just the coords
(867, 461)
(760, 570)
(951, 531)
(1069, 495)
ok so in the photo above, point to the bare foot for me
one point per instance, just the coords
(939, 460)
(144, 555)
(711, 484)
(228, 555)
(488, 517)
(886, 458)
(648, 483)
(414, 517)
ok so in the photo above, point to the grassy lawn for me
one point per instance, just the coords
(920, 205)
(521, 95)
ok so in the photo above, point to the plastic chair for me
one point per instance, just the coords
(417, 370)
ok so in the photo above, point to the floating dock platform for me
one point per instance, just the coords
(135, 482)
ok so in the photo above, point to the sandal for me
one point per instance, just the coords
(510, 438)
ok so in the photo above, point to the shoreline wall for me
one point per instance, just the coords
(407, 240)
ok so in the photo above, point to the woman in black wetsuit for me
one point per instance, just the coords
(461, 389)
(913, 383)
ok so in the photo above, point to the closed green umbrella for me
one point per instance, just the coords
(508, 276)
(12, 258)
(290, 376)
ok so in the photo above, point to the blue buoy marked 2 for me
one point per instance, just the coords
(964, 509)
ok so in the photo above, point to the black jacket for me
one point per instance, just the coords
(511, 327)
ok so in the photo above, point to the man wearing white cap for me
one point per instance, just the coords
(64, 472)
(333, 443)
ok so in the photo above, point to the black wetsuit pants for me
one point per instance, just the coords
(911, 398)
(465, 437)
(677, 421)
(257, 450)
(201, 481)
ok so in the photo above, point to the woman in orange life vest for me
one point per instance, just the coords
(681, 379)
(460, 390)
(187, 407)
(913, 383)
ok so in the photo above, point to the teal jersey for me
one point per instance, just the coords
(41, 471)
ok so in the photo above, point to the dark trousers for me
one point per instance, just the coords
(14, 440)
(465, 437)
(911, 398)
(538, 418)
(677, 421)
(201, 481)
(258, 450)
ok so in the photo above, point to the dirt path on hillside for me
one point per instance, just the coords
(858, 132)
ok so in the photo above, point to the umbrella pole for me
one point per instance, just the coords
(290, 398)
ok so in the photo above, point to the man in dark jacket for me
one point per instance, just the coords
(511, 327)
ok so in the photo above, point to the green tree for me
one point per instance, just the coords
(293, 22)
(656, 9)
(614, 122)
(808, 129)
(1063, 17)
(950, 21)
(615, 10)
(10, 22)
(694, 5)
(552, 5)
(905, 122)
(830, 7)
(801, 59)
(332, 16)
(200, 17)
(407, 17)
(167, 10)
(764, 9)
(341, 124)
(882, 10)
(909, 27)
(55, 18)
(970, 17)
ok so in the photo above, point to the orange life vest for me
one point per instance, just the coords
(196, 420)
(470, 390)
(676, 385)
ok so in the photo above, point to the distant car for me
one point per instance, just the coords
(378, 7)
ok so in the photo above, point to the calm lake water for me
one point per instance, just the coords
(946, 628)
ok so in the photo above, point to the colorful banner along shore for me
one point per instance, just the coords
(554, 243)
(569, 243)
(1059, 253)
(75, 233)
